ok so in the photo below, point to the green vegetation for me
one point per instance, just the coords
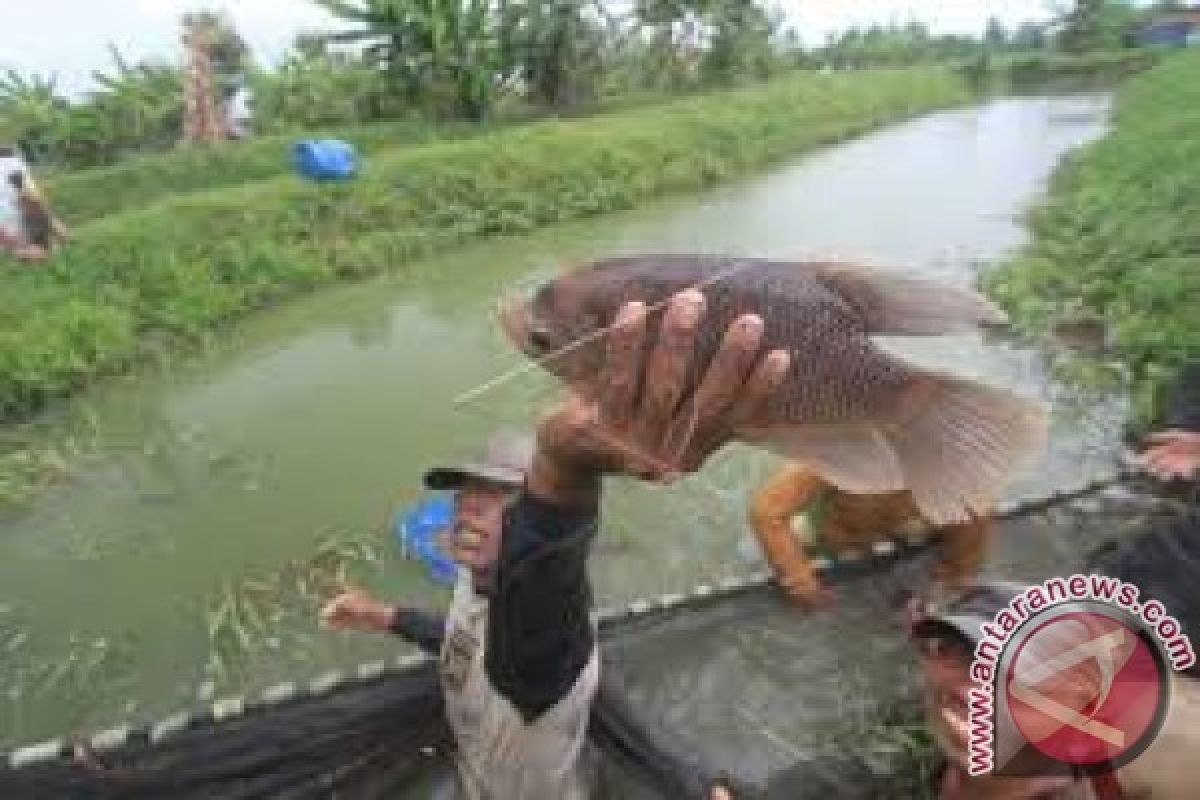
(183, 266)
(1119, 236)
(247, 616)
(1041, 72)
(85, 195)
(477, 61)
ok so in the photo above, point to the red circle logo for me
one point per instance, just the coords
(1086, 688)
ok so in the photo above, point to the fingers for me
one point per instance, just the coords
(619, 385)
(726, 375)
(668, 364)
(701, 426)
(766, 378)
(1167, 437)
(1174, 459)
(333, 613)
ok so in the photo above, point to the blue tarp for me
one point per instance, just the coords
(417, 530)
(325, 159)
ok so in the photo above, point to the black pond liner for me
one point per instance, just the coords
(789, 704)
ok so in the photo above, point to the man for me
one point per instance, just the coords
(945, 638)
(518, 660)
(1163, 563)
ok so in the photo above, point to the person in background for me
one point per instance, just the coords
(238, 116)
(39, 230)
(10, 218)
(518, 654)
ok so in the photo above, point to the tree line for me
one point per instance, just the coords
(478, 59)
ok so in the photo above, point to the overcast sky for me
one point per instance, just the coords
(69, 38)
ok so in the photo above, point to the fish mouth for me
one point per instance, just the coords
(516, 322)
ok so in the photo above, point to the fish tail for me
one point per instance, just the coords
(959, 443)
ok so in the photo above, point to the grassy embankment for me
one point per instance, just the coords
(85, 195)
(178, 268)
(1118, 238)
(1042, 72)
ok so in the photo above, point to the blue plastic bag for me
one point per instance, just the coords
(325, 159)
(417, 530)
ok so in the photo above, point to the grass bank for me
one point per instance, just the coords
(1118, 238)
(1042, 72)
(174, 271)
(85, 195)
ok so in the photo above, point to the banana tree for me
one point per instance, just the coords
(31, 112)
(556, 47)
(442, 53)
(143, 101)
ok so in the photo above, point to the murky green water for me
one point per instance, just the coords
(318, 418)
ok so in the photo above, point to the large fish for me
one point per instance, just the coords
(862, 418)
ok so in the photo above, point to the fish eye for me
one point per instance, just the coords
(539, 338)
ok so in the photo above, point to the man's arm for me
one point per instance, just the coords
(354, 608)
(539, 634)
(425, 629)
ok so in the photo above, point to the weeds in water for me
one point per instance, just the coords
(81, 672)
(251, 615)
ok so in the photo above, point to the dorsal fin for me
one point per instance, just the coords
(900, 305)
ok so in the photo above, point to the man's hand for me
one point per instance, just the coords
(355, 609)
(640, 423)
(1172, 454)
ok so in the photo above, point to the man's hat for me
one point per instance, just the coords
(965, 614)
(505, 460)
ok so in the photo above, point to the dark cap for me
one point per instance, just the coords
(505, 460)
(965, 614)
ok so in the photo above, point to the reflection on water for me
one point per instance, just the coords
(320, 416)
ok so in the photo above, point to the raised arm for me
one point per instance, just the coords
(640, 424)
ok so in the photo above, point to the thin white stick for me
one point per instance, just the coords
(504, 377)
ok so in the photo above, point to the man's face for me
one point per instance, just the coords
(478, 520)
(946, 665)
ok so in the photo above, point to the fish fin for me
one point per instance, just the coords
(960, 442)
(852, 457)
(900, 305)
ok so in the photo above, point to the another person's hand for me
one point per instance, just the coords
(355, 609)
(1172, 454)
(640, 423)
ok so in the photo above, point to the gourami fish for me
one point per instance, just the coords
(862, 418)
